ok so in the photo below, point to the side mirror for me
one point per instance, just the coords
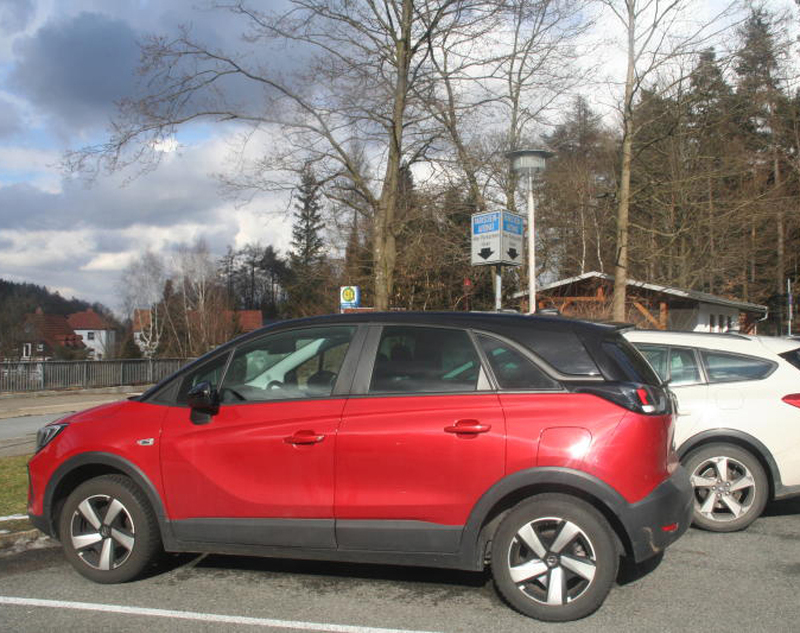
(203, 398)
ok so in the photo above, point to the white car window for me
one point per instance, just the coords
(722, 367)
(683, 367)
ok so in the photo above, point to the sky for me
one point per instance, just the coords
(63, 66)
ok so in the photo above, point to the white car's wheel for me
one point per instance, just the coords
(730, 487)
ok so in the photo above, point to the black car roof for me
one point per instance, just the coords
(479, 320)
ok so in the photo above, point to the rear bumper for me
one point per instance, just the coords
(660, 518)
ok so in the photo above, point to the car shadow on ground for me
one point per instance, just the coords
(783, 507)
(629, 572)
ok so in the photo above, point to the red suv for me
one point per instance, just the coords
(539, 446)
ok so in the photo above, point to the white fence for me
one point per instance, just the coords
(63, 374)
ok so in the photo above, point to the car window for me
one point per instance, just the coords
(295, 364)
(722, 367)
(792, 357)
(683, 367)
(512, 369)
(657, 357)
(422, 359)
(630, 361)
(210, 372)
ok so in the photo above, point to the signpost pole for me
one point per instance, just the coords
(498, 288)
(531, 247)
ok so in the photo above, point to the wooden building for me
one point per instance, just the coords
(649, 306)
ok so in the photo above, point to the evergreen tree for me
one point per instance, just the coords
(309, 274)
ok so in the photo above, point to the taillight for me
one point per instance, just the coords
(792, 399)
(637, 397)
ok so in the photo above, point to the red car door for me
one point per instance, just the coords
(261, 470)
(419, 449)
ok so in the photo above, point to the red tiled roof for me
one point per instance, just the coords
(52, 329)
(87, 320)
(248, 320)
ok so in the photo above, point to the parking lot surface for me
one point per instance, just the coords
(724, 582)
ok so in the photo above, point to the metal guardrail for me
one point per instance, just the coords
(62, 374)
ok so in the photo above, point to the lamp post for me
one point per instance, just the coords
(529, 162)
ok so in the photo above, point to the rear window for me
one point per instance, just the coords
(722, 367)
(632, 364)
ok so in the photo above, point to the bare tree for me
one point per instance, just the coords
(659, 35)
(141, 286)
(358, 65)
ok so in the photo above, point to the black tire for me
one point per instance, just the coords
(730, 487)
(108, 530)
(573, 545)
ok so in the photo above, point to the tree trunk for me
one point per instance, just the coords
(623, 208)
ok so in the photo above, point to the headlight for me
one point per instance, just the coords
(46, 434)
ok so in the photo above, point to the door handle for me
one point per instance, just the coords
(471, 427)
(305, 437)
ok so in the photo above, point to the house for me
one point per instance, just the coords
(45, 336)
(98, 336)
(650, 306)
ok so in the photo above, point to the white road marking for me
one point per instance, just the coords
(200, 617)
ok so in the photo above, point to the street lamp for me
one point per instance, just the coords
(529, 162)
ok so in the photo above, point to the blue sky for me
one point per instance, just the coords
(63, 65)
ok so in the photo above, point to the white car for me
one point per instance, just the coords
(737, 427)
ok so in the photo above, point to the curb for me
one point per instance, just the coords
(20, 541)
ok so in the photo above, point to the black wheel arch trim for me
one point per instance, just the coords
(747, 442)
(549, 479)
(110, 460)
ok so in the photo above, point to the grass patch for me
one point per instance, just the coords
(13, 487)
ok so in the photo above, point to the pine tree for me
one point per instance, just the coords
(308, 269)
(307, 242)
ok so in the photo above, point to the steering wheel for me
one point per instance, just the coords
(274, 384)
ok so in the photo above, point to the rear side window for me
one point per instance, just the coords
(560, 348)
(722, 367)
(512, 369)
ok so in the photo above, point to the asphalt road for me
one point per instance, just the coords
(21, 415)
(748, 581)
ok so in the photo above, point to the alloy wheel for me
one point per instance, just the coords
(724, 488)
(102, 532)
(552, 561)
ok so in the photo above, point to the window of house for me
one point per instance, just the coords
(423, 359)
(26, 350)
(712, 323)
(40, 347)
(90, 336)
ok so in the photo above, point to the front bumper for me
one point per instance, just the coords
(660, 518)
